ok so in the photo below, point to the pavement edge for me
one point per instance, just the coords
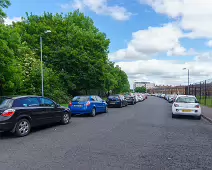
(207, 118)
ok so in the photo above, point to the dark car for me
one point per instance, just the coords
(130, 99)
(20, 114)
(116, 101)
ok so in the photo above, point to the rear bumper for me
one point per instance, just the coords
(6, 126)
(188, 113)
(81, 112)
(130, 101)
(114, 105)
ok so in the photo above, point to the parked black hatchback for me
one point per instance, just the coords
(20, 114)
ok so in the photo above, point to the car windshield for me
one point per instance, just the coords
(6, 103)
(80, 99)
(186, 100)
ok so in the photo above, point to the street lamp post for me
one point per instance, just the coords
(41, 62)
(188, 78)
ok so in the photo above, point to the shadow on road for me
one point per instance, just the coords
(9, 135)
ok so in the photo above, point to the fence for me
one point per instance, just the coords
(203, 91)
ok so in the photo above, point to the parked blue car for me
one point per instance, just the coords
(89, 105)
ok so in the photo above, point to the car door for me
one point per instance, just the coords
(50, 111)
(29, 106)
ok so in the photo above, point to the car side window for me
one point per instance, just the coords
(33, 102)
(93, 98)
(44, 102)
(22, 102)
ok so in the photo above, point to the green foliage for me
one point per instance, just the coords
(3, 4)
(140, 89)
(75, 56)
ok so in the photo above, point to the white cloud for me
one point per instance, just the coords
(154, 40)
(100, 7)
(204, 58)
(209, 43)
(168, 71)
(9, 21)
(181, 51)
(193, 15)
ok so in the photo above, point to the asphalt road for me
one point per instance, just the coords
(143, 136)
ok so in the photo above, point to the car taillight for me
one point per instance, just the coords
(197, 106)
(88, 103)
(70, 104)
(176, 105)
(8, 113)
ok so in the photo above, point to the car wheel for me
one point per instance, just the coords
(22, 128)
(65, 119)
(93, 114)
(173, 116)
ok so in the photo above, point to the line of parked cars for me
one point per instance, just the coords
(119, 100)
(183, 105)
(19, 114)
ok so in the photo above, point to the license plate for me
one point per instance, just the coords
(112, 102)
(186, 110)
(77, 105)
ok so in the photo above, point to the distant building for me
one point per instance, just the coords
(169, 89)
(147, 85)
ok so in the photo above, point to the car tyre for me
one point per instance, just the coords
(174, 116)
(93, 114)
(65, 119)
(22, 128)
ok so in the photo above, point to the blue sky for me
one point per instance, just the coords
(147, 36)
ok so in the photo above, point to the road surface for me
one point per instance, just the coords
(143, 136)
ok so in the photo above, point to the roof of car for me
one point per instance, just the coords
(185, 96)
(18, 97)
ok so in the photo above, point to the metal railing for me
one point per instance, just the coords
(203, 91)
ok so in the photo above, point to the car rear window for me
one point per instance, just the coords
(80, 99)
(113, 96)
(5, 103)
(186, 100)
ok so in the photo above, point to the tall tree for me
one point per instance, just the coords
(3, 4)
(140, 89)
(75, 48)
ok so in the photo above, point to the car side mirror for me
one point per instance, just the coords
(103, 101)
(57, 105)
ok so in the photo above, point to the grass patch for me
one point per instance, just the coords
(205, 101)
(64, 105)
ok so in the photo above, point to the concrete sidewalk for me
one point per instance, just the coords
(207, 113)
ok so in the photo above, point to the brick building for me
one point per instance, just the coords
(169, 89)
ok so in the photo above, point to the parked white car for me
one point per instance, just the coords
(186, 105)
(140, 97)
